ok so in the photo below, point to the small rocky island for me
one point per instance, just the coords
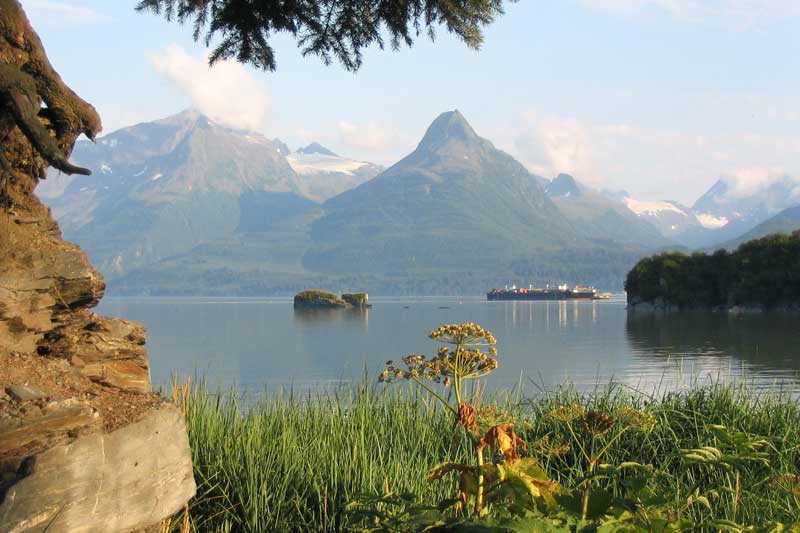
(316, 299)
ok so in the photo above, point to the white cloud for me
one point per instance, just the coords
(370, 136)
(746, 181)
(47, 13)
(740, 14)
(553, 145)
(648, 162)
(226, 92)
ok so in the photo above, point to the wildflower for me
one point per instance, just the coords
(787, 482)
(468, 333)
(567, 413)
(597, 423)
(555, 447)
(636, 419)
(490, 416)
(465, 361)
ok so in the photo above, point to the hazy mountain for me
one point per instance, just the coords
(787, 221)
(733, 207)
(726, 211)
(455, 216)
(456, 203)
(187, 206)
(670, 218)
(600, 218)
(322, 174)
(734, 201)
(316, 148)
(564, 186)
(162, 187)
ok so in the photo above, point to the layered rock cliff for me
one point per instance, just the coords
(78, 425)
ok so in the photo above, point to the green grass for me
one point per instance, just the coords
(290, 463)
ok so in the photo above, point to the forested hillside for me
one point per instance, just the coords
(762, 272)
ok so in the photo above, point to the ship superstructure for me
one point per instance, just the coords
(558, 292)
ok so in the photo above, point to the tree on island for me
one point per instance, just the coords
(330, 29)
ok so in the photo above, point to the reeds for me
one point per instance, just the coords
(288, 462)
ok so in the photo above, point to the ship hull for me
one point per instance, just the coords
(543, 295)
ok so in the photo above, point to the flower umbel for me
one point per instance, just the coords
(597, 423)
(465, 359)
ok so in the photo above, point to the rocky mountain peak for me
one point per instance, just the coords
(185, 121)
(449, 126)
(719, 189)
(316, 148)
(563, 185)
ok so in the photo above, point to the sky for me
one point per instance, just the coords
(657, 97)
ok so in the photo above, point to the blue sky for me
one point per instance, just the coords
(658, 97)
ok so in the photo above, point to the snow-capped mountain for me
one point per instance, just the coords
(730, 208)
(599, 217)
(733, 201)
(322, 174)
(671, 218)
(160, 188)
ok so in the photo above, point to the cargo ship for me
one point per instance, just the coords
(560, 292)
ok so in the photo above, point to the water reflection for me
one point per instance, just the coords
(312, 317)
(760, 347)
(258, 342)
(770, 340)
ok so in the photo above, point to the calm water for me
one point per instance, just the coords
(257, 342)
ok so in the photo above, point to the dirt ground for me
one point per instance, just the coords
(61, 381)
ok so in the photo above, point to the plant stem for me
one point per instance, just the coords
(736, 496)
(435, 395)
(592, 463)
(585, 502)
(457, 374)
(479, 496)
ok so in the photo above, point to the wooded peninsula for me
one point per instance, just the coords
(760, 274)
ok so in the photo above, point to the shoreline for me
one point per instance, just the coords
(650, 307)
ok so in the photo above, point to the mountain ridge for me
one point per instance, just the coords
(600, 218)
(786, 221)
(180, 202)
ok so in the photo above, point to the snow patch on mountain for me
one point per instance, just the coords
(644, 207)
(317, 163)
(710, 221)
(257, 139)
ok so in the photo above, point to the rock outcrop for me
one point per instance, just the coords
(84, 446)
(118, 481)
(314, 299)
(359, 300)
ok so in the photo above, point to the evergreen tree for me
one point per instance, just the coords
(331, 29)
(762, 272)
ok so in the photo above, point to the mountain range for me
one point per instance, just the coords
(724, 213)
(185, 205)
(787, 221)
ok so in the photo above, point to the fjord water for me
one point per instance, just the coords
(258, 343)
